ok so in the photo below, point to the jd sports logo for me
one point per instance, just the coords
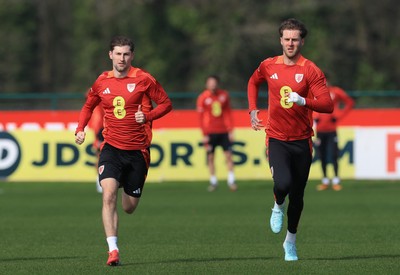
(10, 154)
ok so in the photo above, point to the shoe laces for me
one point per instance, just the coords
(276, 218)
(278, 213)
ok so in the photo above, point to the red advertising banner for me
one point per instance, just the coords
(53, 120)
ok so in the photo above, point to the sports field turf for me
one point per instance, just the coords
(55, 228)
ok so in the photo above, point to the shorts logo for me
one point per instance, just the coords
(298, 77)
(131, 87)
(101, 169)
(137, 191)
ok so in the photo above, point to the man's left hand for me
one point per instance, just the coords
(296, 98)
(139, 116)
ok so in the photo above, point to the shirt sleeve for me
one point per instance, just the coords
(228, 114)
(200, 111)
(319, 99)
(253, 87)
(160, 97)
(92, 101)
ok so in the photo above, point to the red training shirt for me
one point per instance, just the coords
(215, 112)
(120, 99)
(288, 121)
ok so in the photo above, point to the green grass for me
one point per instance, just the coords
(55, 228)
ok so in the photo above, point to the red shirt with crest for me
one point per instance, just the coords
(215, 112)
(120, 99)
(288, 121)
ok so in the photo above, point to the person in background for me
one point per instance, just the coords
(216, 123)
(296, 88)
(327, 139)
(96, 124)
(125, 94)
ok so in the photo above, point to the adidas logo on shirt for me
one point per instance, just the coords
(106, 91)
(274, 76)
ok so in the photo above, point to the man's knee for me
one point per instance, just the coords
(129, 209)
(110, 191)
(129, 204)
(109, 198)
(282, 186)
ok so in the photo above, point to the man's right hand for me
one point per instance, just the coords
(255, 122)
(80, 137)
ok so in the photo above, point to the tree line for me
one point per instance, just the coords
(62, 46)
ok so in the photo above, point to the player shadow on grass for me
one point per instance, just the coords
(355, 257)
(203, 260)
(38, 258)
(200, 260)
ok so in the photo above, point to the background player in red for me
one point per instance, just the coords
(327, 140)
(125, 93)
(96, 124)
(296, 88)
(216, 122)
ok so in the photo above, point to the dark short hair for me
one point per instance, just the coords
(293, 24)
(216, 77)
(121, 41)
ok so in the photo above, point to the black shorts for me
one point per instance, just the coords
(215, 140)
(128, 167)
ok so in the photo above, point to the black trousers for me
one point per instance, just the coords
(290, 163)
(328, 151)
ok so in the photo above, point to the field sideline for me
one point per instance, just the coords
(55, 228)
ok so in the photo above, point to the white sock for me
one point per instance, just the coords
(290, 237)
(279, 207)
(336, 180)
(231, 177)
(112, 243)
(213, 180)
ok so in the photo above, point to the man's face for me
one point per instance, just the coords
(211, 84)
(121, 58)
(292, 43)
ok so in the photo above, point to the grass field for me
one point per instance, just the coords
(55, 228)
